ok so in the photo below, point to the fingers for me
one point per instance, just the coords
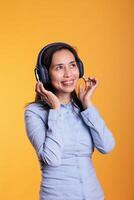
(80, 90)
(87, 83)
(41, 90)
(89, 79)
(90, 82)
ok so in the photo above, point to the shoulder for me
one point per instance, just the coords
(36, 109)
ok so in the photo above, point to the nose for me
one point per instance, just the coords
(67, 72)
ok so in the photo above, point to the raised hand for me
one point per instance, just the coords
(85, 94)
(50, 98)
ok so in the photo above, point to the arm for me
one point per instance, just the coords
(47, 141)
(102, 136)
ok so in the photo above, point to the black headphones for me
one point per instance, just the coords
(41, 72)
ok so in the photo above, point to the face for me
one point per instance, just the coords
(63, 72)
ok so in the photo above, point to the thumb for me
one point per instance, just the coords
(80, 89)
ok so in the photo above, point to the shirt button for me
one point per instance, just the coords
(81, 181)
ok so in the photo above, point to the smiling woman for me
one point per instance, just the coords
(64, 74)
(65, 127)
(45, 65)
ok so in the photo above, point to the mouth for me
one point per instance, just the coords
(68, 83)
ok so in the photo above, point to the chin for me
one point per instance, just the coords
(67, 89)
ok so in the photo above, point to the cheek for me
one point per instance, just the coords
(55, 79)
(76, 74)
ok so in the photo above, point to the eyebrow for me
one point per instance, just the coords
(73, 61)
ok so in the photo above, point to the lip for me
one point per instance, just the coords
(68, 82)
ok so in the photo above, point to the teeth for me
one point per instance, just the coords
(68, 82)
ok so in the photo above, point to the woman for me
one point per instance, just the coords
(64, 127)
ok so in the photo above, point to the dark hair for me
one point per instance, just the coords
(46, 60)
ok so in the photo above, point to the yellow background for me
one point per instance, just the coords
(102, 31)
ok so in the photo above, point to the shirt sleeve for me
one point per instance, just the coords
(46, 138)
(102, 136)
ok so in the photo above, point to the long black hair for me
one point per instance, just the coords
(46, 60)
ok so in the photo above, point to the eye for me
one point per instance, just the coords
(59, 67)
(73, 65)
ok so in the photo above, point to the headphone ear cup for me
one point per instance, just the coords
(43, 75)
(81, 68)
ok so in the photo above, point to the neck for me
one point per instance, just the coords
(64, 98)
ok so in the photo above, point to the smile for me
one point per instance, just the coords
(71, 82)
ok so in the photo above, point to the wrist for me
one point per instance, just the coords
(56, 107)
(87, 105)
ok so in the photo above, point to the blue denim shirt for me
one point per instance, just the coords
(64, 141)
